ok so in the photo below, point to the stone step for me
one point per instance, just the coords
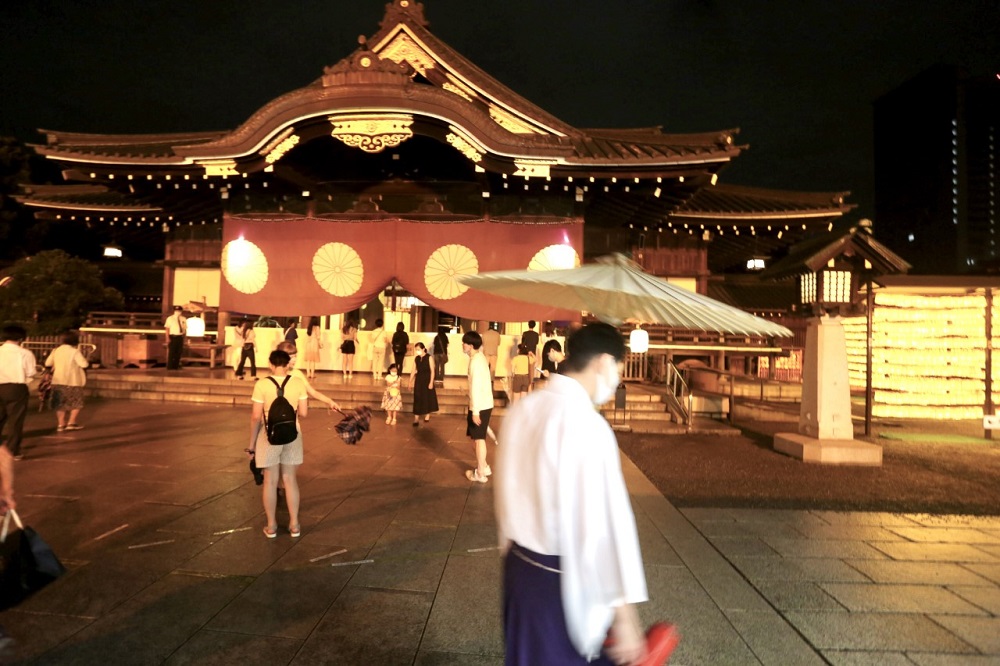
(645, 411)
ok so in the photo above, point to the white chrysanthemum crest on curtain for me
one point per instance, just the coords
(444, 265)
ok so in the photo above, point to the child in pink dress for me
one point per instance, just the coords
(392, 397)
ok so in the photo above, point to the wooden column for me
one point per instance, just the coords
(869, 390)
(988, 403)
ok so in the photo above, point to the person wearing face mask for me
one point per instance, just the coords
(425, 399)
(572, 565)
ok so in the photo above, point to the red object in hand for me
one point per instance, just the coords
(661, 641)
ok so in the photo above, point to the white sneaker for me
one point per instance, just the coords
(473, 475)
(487, 471)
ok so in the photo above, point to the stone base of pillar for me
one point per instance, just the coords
(828, 451)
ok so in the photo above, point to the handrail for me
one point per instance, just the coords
(680, 393)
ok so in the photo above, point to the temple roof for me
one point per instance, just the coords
(402, 86)
(844, 238)
(750, 293)
(430, 89)
(753, 203)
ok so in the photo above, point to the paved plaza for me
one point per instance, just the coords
(155, 514)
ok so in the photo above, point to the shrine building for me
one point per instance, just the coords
(400, 167)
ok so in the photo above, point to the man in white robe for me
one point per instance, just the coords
(560, 492)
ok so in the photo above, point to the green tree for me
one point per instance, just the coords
(53, 291)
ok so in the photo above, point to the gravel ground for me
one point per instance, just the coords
(931, 476)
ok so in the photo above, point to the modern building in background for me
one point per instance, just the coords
(936, 165)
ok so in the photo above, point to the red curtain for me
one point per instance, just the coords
(390, 248)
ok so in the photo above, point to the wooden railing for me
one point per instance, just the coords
(138, 322)
(679, 394)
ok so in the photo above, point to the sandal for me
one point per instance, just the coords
(295, 531)
(271, 533)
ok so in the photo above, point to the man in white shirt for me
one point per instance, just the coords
(175, 328)
(17, 368)
(480, 404)
(573, 568)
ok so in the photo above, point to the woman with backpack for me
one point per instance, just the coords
(276, 439)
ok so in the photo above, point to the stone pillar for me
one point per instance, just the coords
(826, 388)
(826, 432)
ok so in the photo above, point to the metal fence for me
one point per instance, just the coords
(42, 345)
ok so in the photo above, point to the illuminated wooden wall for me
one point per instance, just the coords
(928, 354)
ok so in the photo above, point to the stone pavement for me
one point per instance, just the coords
(156, 516)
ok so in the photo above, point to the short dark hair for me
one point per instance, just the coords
(531, 323)
(279, 359)
(472, 338)
(14, 332)
(177, 308)
(584, 344)
(70, 338)
(399, 326)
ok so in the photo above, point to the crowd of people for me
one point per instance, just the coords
(572, 567)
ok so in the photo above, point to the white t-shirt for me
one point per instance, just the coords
(176, 324)
(480, 384)
(17, 364)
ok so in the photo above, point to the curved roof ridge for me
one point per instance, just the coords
(721, 138)
(462, 65)
(56, 137)
(818, 198)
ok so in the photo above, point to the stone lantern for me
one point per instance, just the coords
(829, 269)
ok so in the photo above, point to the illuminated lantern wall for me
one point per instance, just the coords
(928, 355)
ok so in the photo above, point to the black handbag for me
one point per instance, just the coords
(27, 563)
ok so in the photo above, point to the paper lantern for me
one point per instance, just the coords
(638, 341)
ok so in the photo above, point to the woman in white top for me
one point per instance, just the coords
(246, 339)
(68, 380)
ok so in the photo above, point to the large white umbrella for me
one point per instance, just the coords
(615, 290)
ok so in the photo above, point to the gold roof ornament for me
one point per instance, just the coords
(403, 49)
(463, 146)
(219, 167)
(372, 133)
(402, 10)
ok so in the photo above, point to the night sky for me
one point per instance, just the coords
(797, 76)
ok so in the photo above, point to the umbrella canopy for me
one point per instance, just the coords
(615, 290)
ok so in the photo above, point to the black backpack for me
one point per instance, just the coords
(280, 419)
